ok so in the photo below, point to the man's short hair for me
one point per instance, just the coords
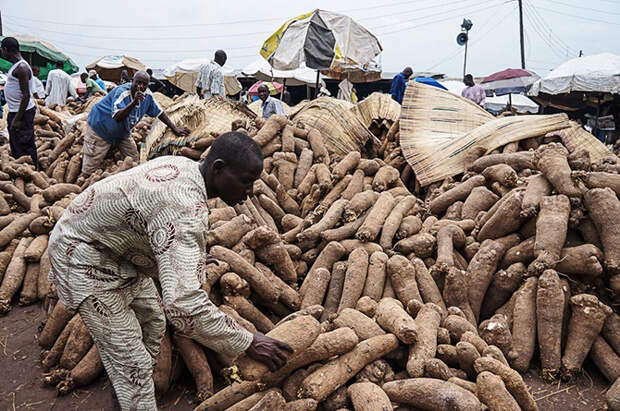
(263, 87)
(468, 77)
(149, 71)
(236, 149)
(11, 44)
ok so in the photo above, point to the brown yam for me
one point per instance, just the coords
(265, 289)
(480, 273)
(267, 132)
(599, 179)
(537, 188)
(611, 331)
(30, 286)
(427, 320)
(455, 293)
(421, 244)
(551, 229)
(334, 290)
(467, 354)
(15, 228)
(346, 165)
(272, 400)
(230, 233)
(480, 199)
(303, 166)
(58, 191)
(505, 219)
(52, 356)
(18, 195)
(77, 346)
(551, 160)
(337, 372)
(356, 185)
(402, 275)
(393, 221)
(583, 261)
(524, 326)
(549, 311)
(367, 396)
(333, 195)
(431, 394)
(409, 226)
(229, 396)
(305, 404)
(588, 315)
(360, 203)
(503, 285)
(85, 372)
(435, 368)
(196, 362)
(248, 311)
(375, 280)
(317, 285)
(36, 248)
(318, 146)
(604, 210)
(392, 317)
(518, 161)
(345, 231)
(512, 380)
(501, 173)
(332, 252)
(385, 177)
(363, 326)
(366, 306)
(329, 220)
(163, 365)
(457, 326)
(459, 193)
(377, 216)
(299, 333)
(355, 278)
(14, 276)
(54, 325)
(605, 359)
(493, 393)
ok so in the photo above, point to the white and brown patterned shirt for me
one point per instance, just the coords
(149, 220)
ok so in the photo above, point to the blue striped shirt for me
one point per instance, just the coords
(101, 120)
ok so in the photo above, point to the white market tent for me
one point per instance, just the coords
(597, 73)
(184, 74)
(261, 70)
(520, 102)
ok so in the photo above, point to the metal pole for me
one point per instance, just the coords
(465, 59)
(521, 34)
(1, 32)
(316, 92)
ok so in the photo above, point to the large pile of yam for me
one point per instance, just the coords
(391, 294)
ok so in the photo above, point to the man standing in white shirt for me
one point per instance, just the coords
(38, 91)
(210, 81)
(22, 108)
(58, 86)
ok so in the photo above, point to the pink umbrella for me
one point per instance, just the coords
(509, 81)
(273, 86)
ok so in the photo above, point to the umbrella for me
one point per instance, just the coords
(184, 74)
(274, 88)
(110, 67)
(40, 53)
(496, 103)
(261, 70)
(508, 81)
(430, 81)
(321, 40)
(598, 73)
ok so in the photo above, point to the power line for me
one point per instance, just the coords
(438, 21)
(536, 28)
(582, 8)
(578, 17)
(537, 19)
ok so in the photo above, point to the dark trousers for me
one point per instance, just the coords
(22, 140)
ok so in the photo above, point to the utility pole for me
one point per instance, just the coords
(465, 60)
(580, 53)
(1, 33)
(521, 34)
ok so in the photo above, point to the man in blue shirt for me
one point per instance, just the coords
(95, 77)
(110, 121)
(399, 84)
(270, 105)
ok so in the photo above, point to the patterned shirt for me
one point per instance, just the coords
(475, 93)
(149, 220)
(211, 80)
(272, 106)
(101, 119)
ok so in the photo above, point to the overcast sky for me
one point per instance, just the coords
(418, 33)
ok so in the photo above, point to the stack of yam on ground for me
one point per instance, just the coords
(434, 298)
(378, 112)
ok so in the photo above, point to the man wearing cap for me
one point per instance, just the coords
(110, 121)
(95, 77)
(91, 86)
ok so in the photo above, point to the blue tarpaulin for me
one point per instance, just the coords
(430, 81)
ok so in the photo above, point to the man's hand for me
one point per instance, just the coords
(180, 132)
(269, 351)
(16, 125)
(139, 96)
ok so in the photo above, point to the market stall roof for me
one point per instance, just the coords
(509, 81)
(45, 50)
(110, 67)
(184, 74)
(261, 70)
(520, 102)
(597, 73)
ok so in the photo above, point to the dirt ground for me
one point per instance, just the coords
(21, 389)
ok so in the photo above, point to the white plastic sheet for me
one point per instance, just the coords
(184, 74)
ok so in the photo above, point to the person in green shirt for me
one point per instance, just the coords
(91, 86)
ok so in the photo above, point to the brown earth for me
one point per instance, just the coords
(21, 389)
